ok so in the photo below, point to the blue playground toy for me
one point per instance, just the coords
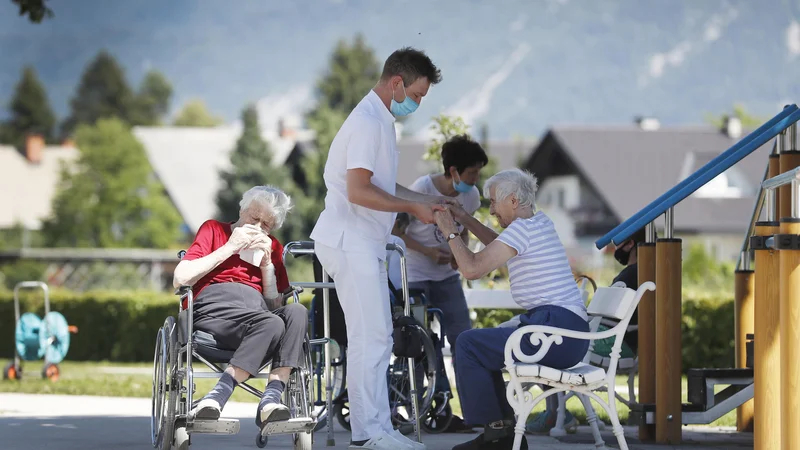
(37, 338)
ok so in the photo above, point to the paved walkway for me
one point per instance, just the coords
(81, 422)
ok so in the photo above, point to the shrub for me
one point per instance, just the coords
(113, 326)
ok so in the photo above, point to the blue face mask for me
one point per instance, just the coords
(405, 108)
(461, 186)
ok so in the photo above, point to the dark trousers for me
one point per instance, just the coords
(481, 358)
(238, 318)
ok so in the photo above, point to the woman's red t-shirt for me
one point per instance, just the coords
(213, 235)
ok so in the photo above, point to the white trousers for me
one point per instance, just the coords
(363, 291)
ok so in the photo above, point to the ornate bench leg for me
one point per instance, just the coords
(591, 417)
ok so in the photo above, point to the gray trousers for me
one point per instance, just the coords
(237, 316)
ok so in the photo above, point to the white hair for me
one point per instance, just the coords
(521, 183)
(270, 196)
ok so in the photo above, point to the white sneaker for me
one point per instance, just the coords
(382, 441)
(206, 409)
(406, 442)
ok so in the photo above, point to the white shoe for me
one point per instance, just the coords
(382, 441)
(406, 442)
(206, 409)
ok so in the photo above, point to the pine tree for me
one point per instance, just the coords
(109, 197)
(151, 104)
(352, 71)
(36, 10)
(30, 110)
(103, 93)
(251, 165)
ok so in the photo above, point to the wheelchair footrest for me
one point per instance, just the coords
(296, 425)
(219, 426)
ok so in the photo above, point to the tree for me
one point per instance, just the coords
(30, 110)
(195, 114)
(103, 93)
(110, 198)
(152, 100)
(252, 165)
(36, 10)
(352, 71)
(748, 120)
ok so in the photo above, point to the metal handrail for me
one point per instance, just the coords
(744, 256)
(708, 172)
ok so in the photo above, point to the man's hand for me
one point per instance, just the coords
(424, 211)
(449, 201)
(458, 211)
(438, 255)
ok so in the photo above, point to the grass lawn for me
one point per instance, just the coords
(135, 380)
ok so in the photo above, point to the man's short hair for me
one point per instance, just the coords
(462, 152)
(410, 64)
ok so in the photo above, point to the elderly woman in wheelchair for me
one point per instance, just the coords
(237, 277)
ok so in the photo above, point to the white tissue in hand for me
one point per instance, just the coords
(253, 256)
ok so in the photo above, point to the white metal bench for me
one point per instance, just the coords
(625, 366)
(617, 303)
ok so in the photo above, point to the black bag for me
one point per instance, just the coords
(407, 339)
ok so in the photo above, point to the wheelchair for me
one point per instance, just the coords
(433, 400)
(407, 403)
(177, 348)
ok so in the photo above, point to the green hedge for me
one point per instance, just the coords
(116, 326)
(121, 326)
(112, 326)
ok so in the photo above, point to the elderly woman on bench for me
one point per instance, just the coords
(541, 282)
(237, 275)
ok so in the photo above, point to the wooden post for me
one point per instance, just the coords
(790, 336)
(646, 266)
(668, 341)
(743, 318)
(767, 352)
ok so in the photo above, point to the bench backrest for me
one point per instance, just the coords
(611, 302)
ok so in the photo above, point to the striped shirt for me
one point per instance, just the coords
(540, 273)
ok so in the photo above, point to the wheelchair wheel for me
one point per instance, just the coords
(342, 413)
(261, 440)
(302, 441)
(425, 367)
(164, 400)
(182, 439)
(438, 417)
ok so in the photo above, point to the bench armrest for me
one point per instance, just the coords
(547, 336)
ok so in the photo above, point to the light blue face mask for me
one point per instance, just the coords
(405, 108)
(461, 186)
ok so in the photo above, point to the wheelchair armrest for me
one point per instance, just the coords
(292, 290)
(183, 290)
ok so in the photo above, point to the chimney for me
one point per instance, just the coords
(732, 126)
(647, 123)
(34, 146)
(285, 131)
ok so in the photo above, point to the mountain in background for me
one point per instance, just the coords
(517, 66)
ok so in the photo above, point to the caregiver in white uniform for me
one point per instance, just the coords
(352, 231)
